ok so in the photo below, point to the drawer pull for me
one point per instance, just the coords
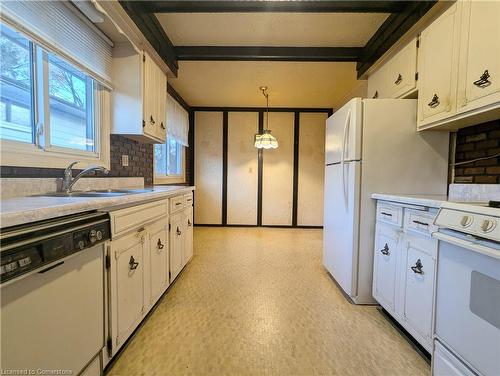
(483, 80)
(189, 223)
(177, 203)
(178, 231)
(399, 79)
(386, 214)
(417, 269)
(434, 101)
(420, 223)
(160, 244)
(385, 250)
(151, 120)
(162, 126)
(375, 96)
(132, 263)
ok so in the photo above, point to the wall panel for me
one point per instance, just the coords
(277, 181)
(311, 169)
(242, 168)
(208, 167)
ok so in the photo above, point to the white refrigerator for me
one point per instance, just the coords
(372, 146)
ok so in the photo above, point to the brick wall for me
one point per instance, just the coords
(476, 142)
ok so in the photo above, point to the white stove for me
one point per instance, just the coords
(467, 306)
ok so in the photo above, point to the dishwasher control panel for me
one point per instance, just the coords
(30, 251)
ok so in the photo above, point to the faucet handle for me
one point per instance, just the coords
(67, 172)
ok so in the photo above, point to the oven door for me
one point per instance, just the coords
(467, 313)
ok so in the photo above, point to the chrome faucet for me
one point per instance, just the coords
(68, 181)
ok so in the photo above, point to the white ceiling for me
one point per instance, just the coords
(271, 29)
(291, 84)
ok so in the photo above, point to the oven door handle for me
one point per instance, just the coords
(468, 244)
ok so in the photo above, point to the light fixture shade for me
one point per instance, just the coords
(265, 140)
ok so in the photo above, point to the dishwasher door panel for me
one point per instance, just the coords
(55, 320)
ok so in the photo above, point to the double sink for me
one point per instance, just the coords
(98, 193)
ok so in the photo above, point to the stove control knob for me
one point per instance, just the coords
(487, 225)
(466, 221)
(93, 236)
(99, 235)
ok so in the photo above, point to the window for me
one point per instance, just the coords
(169, 162)
(49, 109)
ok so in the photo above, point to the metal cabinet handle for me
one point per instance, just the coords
(399, 79)
(385, 250)
(178, 203)
(483, 80)
(375, 96)
(420, 223)
(417, 269)
(386, 214)
(178, 231)
(162, 126)
(434, 101)
(132, 263)
(160, 244)
(189, 223)
(151, 120)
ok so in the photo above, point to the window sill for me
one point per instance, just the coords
(165, 180)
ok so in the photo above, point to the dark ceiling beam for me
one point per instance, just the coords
(237, 6)
(254, 53)
(393, 28)
(152, 30)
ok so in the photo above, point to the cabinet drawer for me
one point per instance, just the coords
(390, 214)
(421, 222)
(129, 219)
(176, 204)
(188, 199)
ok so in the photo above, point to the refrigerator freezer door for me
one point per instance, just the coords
(343, 133)
(340, 235)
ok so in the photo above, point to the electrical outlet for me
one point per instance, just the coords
(124, 160)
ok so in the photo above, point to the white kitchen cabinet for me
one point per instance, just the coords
(397, 77)
(159, 260)
(139, 96)
(479, 64)
(188, 241)
(438, 56)
(385, 263)
(419, 277)
(177, 230)
(404, 267)
(127, 284)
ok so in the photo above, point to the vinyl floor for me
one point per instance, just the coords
(257, 301)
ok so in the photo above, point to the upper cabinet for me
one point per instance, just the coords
(438, 67)
(397, 77)
(459, 64)
(139, 96)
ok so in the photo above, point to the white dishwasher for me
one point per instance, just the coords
(52, 296)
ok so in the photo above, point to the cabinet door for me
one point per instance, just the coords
(158, 245)
(176, 245)
(401, 71)
(188, 246)
(479, 75)
(161, 99)
(376, 89)
(149, 96)
(128, 289)
(438, 67)
(385, 261)
(419, 286)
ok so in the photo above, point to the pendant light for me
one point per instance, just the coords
(265, 140)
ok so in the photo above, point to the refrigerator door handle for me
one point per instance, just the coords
(342, 160)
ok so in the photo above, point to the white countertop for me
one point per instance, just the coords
(432, 201)
(21, 210)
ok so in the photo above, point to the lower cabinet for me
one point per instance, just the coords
(188, 247)
(404, 270)
(176, 244)
(158, 260)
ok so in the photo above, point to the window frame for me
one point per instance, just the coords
(40, 153)
(171, 179)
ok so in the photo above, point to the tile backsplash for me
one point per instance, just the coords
(475, 142)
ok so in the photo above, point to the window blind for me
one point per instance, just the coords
(177, 121)
(56, 26)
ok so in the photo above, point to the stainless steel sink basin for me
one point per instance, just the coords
(98, 193)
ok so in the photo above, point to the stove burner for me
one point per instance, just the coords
(494, 204)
